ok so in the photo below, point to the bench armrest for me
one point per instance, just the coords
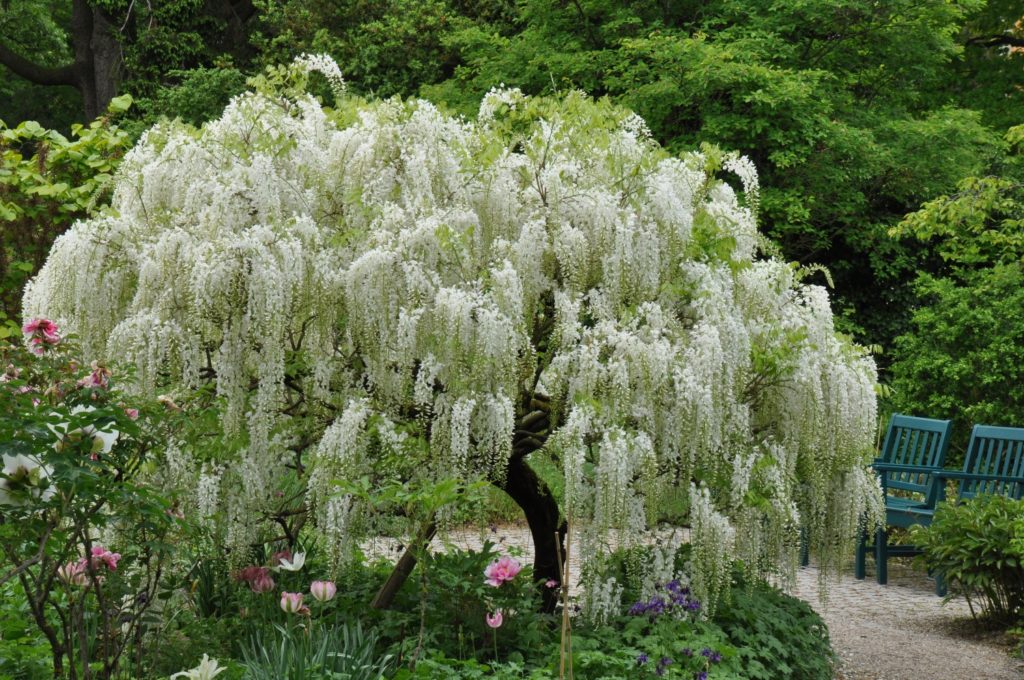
(882, 466)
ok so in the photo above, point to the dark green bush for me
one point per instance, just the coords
(776, 635)
(978, 546)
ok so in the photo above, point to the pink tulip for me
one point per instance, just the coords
(551, 583)
(250, 574)
(132, 413)
(263, 583)
(275, 559)
(292, 603)
(323, 591)
(101, 556)
(494, 620)
(74, 573)
(502, 570)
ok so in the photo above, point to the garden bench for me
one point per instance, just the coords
(993, 464)
(918, 446)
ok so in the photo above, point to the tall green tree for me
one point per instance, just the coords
(847, 108)
(963, 354)
(97, 47)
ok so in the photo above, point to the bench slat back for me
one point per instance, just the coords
(915, 441)
(994, 451)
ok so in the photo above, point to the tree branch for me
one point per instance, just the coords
(1004, 40)
(36, 73)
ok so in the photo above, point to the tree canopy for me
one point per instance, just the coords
(854, 112)
(383, 291)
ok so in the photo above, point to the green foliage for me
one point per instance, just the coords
(978, 547)
(384, 47)
(982, 224)
(47, 182)
(319, 653)
(195, 96)
(826, 98)
(964, 356)
(24, 652)
(74, 460)
(776, 635)
(961, 357)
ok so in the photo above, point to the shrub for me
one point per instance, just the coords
(48, 181)
(776, 635)
(978, 546)
(83, 538)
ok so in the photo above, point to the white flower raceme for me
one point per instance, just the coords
(421, 278)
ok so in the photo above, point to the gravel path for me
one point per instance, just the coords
(900, 631)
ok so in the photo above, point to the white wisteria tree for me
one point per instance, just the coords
(383, 291)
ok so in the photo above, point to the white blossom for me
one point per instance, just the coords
(425, 277)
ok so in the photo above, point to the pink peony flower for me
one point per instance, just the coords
(494, 620)
(99, 377)
(263, 583)
(323, 591)
(292, 603)
(503, 569)
(101, 556)
(39, 333)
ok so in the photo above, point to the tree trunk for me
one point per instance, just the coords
(535, 498)
(530, 493)
(386, 595)
(106, 62)
(97, 57)
(96, 69)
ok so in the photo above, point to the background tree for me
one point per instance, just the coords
(962, 356)
(390, 294)
(103, 47)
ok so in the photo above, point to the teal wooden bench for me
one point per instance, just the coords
(993, 464)
(918, 447)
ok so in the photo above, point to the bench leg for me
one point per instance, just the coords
(881, 557)
(862, 551)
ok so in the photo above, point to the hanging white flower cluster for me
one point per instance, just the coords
(399, 266)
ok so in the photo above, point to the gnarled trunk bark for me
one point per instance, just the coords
(530, 493)
(546, 525)
(96, 69)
